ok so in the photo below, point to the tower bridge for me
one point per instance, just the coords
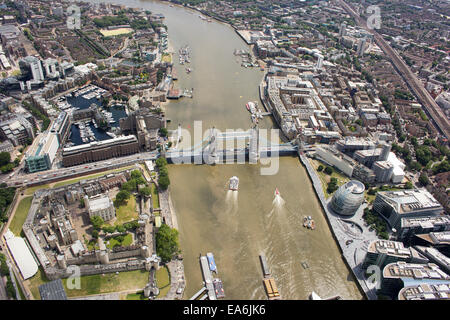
(211, 151)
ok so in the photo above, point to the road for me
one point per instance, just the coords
(58, 174)
(440, 121)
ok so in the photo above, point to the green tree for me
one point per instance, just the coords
(129, 186)
(10, 290)
(328, 170)
(109, 229)
(121, 197)
(409, 185)
(7, 167)
(163, 132)
(423, 179)
(167, 245)
(161, 162)
(136, 174)
(120, 229)
(97, 222)
(163, 182)
(320, 168)
(5, 158)
(146, 191)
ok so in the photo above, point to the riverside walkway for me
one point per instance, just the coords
(351, 228)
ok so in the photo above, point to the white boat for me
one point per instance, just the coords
(234, 183)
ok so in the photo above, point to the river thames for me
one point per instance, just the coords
(237, 226)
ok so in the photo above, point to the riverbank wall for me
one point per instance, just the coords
(333, 224)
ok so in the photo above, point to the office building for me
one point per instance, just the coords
(31, 67)
(16, 128)
(61, 127)
(336, 159)
(399, 275)
(395, 205)
(436, 291)
(100, 150)
(435, 256)
(42, 154)
(348, 198)
(415, 226)
(383, 252)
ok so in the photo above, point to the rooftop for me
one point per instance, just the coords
(415, 271)
(22, 255)
(99, 202)
(425, 291)
(392, 248)
(406, 201)
(53, 290)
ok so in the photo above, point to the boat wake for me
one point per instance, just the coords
(278, 202)
(231, 203)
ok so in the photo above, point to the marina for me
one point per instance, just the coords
(256, 114)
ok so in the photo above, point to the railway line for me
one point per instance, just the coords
(438, 117)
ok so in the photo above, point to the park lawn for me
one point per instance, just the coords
(325, 178)
(116, 32)
(34, 283)
(369, 198)
(155, 196)
(32, 190)
(126, 213)
(92, 176)
(22, 296)
(127, 241)
(162, 281)
(166, 57)
(20, 215)
(136, 296)
(109, 282)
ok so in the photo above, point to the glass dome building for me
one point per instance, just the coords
(348, 198)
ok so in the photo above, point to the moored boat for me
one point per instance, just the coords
(211, 262)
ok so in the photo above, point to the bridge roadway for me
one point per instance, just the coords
(198, 154)
(239, 155)
(58, 174)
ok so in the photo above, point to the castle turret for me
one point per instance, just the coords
(104, 257)
(145, 252)
(52, 241)
(62, 263)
